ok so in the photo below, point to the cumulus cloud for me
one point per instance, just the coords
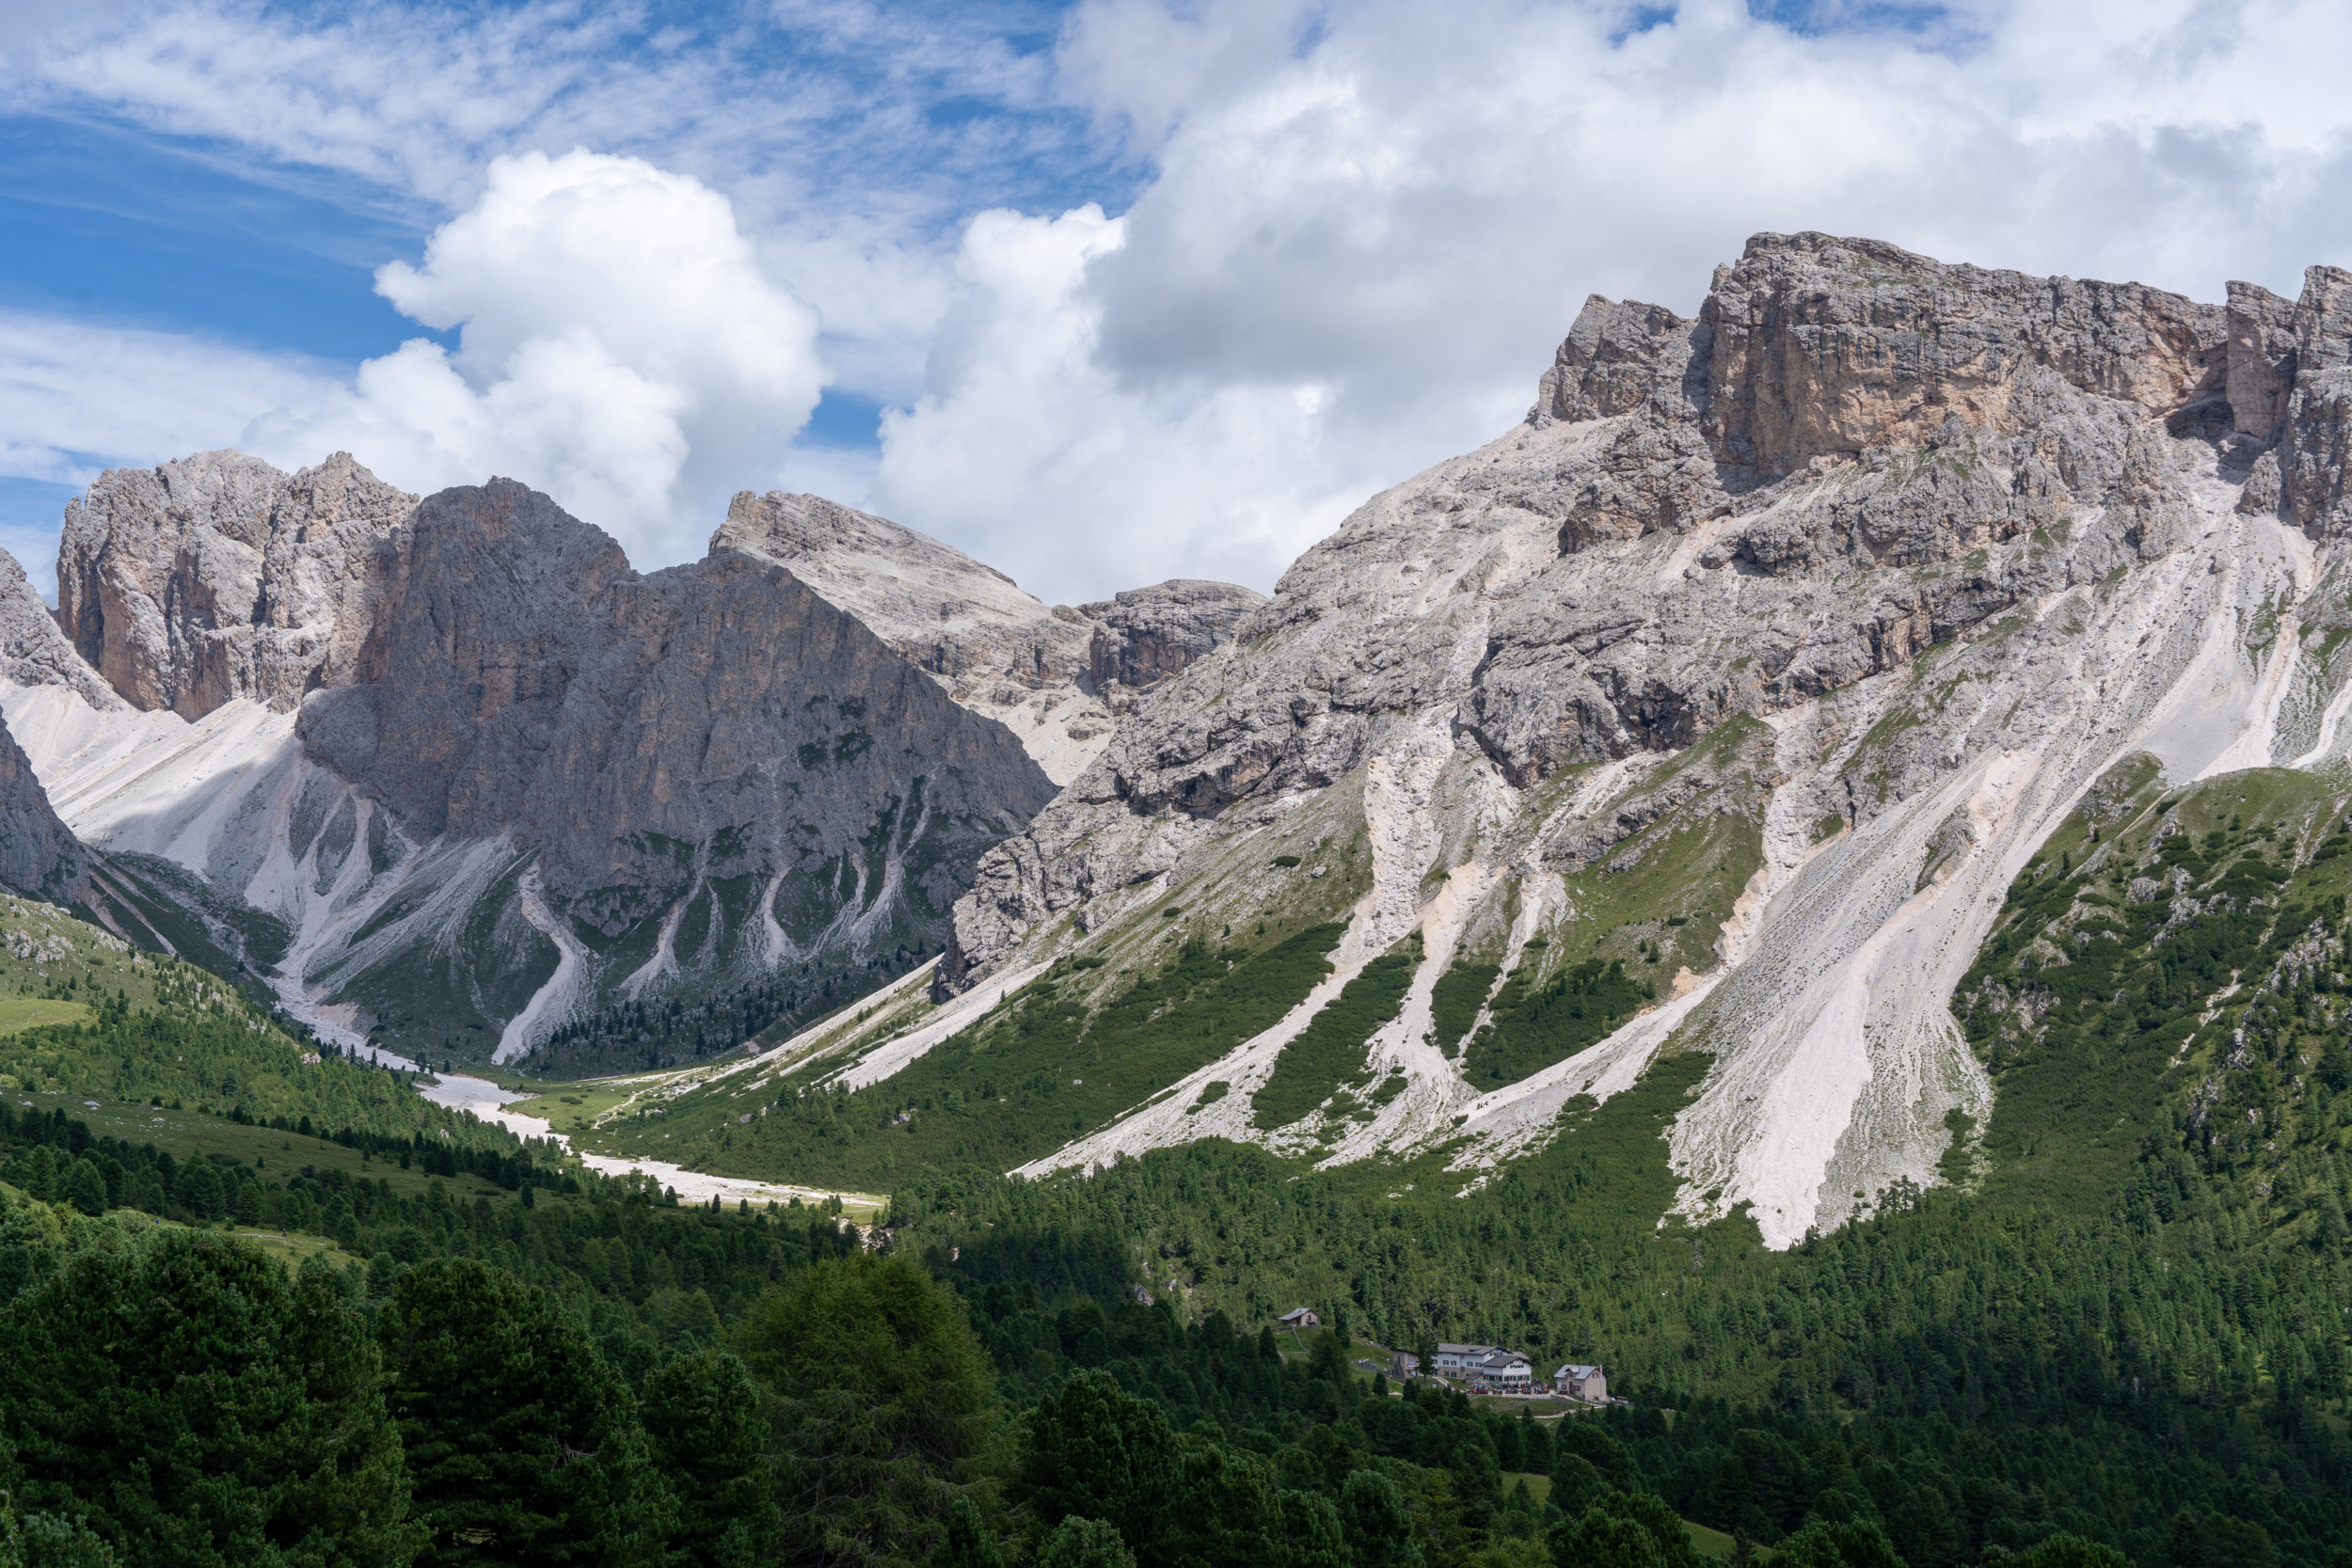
(816, 117)
(1028, 455)
(1369, 223)
(619, 347)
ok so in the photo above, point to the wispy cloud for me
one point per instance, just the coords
(1160, 286)
(75, 397)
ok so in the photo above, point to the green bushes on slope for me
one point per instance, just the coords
(1329, 1054)
(1535, 1025)
(1020, 1085)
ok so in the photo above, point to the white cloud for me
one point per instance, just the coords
(1370, 223)
(1359, 230)
(619, 347)
(816, 117)
(75, 397)
(1028, 455)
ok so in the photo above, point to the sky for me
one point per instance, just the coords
(1100, 293)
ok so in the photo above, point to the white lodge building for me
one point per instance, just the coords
(1488, 1366)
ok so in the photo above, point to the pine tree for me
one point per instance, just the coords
(702, 1417)
(1078, 1543)
(524, 1443)
(247, 1404)
(1377, 1522)
(884, 1411)
(1093, 1450)
(968, 1542)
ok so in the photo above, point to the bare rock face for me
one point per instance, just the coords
(1822, 454)
(1145, 635)
(2261, 361)
(2316, 436)
(494, 784)
(219, 577)
(1050, 675)
(1816, 613)
(1609, 363)
(649, 734)
(1824, 347)
(38, 854)
(33, 652)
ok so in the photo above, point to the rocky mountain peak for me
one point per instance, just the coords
(1050, 674)
(964, 621)
(218, 577)
(520, 677)
(1821, 347)
(1799, 624)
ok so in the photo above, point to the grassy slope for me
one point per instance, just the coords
(1656, 905)
(2081, 1085)
(1238, 1229)
(289, 1247)
(84, 1018)
(46, 953)
(27, 1012)
(1020, 1084)
(1046, 1076)
(184, 1135)
(1536, 1025)
(1564, 1252)
(1328, 1054)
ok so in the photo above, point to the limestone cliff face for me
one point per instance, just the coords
(38, 854)
(1146, 635)
(1840, 411)
(647, 733)
(33, 652)
(1058, 677)
(219, 577)
(1799, 622)
(457, 778)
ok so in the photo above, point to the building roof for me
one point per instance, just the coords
(1573, 1369)
(1444, 1349)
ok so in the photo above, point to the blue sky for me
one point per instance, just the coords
(1102, 293)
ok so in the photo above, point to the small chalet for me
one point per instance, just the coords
(1302, 1317)
(1587, 1383)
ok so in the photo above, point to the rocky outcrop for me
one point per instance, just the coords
(2262, 360)
(646, 734)
(1829, 348)
(1146, 635)
(993, 648)
(218, 577)
(38, 854)
(1057, 677)
(33, 652)
(455, 777)
(2315, 435)
(1826, 447)
(1815, 611)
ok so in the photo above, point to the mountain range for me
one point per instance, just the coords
(1715, 711)
(459, 783)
